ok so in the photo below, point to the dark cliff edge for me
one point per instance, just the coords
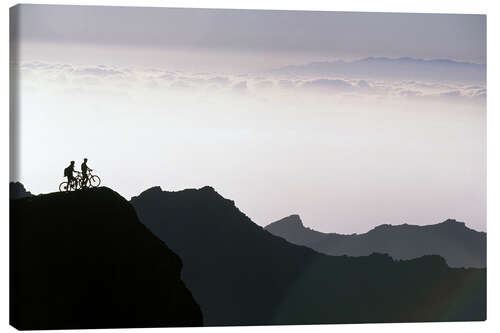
(17, 191)
(451, 239)
(82, 260)
(241, 274)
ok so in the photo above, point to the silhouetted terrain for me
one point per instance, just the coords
(457, 244)
(240, 274)
(392, 68)
(83, 260)
(17, 191)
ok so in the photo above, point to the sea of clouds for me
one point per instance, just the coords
(122, 81)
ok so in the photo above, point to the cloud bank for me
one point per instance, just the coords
(297, 79)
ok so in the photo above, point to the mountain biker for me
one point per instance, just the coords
(85, 168)
(68, 172)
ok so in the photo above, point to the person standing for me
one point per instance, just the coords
(68, 172)
(85, 168)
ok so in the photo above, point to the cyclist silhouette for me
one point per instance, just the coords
(85, 168)
(68, 172)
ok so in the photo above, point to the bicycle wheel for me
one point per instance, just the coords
(63, 187)
(94, 181)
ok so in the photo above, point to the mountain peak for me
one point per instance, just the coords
(151, 193)
(292, 229)
(452, 223)
(244, 275)
(208, 189)
(293, 220)
(153, 190)
(403, 241)
(72, 245)
(157, 190)
(206, 195)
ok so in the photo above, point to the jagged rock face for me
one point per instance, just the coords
(83, 260)
(457, 244)
(243, 275)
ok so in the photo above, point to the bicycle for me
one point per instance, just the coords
(91, 181)
(77, 183)
(74, 184)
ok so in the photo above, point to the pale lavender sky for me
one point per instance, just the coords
(461, 37)
(191, 97)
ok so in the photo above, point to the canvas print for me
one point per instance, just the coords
(217, 167)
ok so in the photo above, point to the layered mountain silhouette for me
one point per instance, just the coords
(457, 244)
(18, 191)
(241, 274)
(82, 260)
(392, 68)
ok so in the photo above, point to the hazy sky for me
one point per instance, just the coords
(187, 97)
(287, 34)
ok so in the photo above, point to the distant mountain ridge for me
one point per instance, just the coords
(82, 260)
(241, 274)
(404, 68)
(457, 244)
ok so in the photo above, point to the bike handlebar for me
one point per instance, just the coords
(79, 172)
